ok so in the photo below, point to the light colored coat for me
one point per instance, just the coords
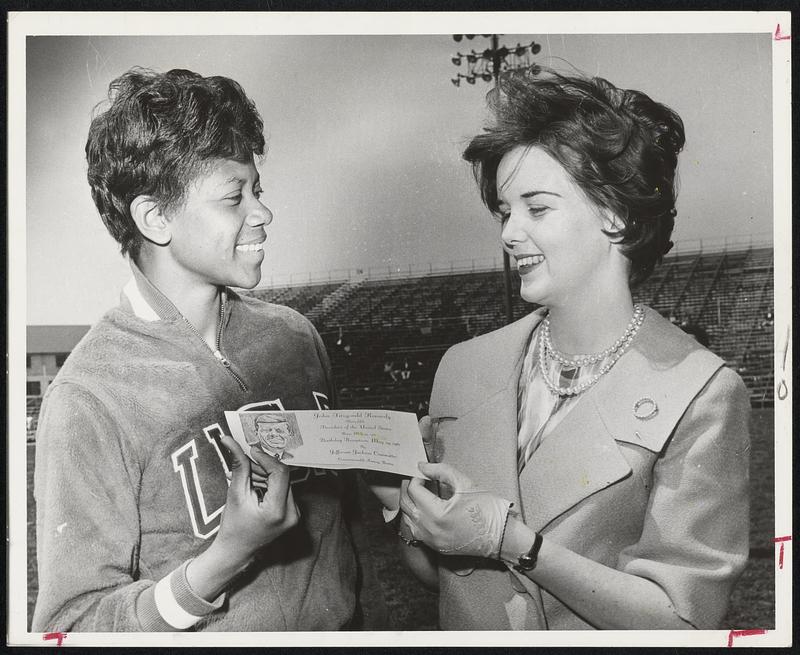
(664, 498)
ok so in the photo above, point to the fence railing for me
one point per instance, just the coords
(480, 265)
(722, 244)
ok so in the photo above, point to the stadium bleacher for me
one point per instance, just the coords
(32, 406)
(303, 298)
(386, 337)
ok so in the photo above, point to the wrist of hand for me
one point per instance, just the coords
(233, 553)
(385, 487)
(405, 533)
(214, 569)
(517, 540)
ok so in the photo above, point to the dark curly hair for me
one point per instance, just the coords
(159, 132)
(619, 146)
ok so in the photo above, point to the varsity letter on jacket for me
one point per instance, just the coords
(130, 476)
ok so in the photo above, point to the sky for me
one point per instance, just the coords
(365, 135)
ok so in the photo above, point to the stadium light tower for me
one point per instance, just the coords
(488, 65)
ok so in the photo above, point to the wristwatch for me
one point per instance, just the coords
(527, 561)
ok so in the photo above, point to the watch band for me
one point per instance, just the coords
(527, 561)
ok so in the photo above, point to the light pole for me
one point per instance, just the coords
(488, 66)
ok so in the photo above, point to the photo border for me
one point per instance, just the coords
(23, 24)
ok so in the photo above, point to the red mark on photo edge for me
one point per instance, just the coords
(58, 636)
(743, 633)
(779, 36)
(781, 541)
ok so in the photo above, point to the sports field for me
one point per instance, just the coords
(412, 608)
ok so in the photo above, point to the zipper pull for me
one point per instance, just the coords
(222, 359)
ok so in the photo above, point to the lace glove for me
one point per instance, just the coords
(471, 522)
(386, 486)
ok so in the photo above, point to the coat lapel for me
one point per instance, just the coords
(663, 370)
(474, 371)
(476, 407)
(476, 444)
(475, 402)
(577, 459)
(648, 390)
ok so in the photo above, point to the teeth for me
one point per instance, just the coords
(530, 260)
(250, 247)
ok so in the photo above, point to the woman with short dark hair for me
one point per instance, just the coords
(591, 458)
(150, 517)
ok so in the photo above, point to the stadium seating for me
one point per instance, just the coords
(386, 337)
(302, 298)
(32, 406)
(372, 327)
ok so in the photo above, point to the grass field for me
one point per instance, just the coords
(412, 608)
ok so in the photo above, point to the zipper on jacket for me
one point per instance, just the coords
(217, 352)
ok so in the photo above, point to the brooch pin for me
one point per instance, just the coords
(645, 408)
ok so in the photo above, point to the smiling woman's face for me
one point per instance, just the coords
(552, 230)
(217, 235)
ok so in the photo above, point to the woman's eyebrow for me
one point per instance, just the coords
(235, 179)
(531, 194)
(231, 180)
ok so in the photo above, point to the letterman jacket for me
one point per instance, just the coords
(130, 476)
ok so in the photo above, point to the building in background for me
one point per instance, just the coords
(47, 349)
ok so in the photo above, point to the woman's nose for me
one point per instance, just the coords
(512, 231)
(259, 215)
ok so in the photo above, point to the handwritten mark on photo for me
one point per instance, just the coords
(743, 633)
(779, 36)
(781, 541)
(59, 637)
(783, 390)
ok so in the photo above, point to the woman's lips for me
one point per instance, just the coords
(526, 263)
(250, 247)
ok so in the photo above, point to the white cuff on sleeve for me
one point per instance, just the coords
(389, 515)
(177, 603)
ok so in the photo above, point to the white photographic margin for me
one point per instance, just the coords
(23, 24)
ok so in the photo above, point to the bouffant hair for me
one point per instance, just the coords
(618, 145)
(157, 134)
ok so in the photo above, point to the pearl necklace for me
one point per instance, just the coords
(611, 355)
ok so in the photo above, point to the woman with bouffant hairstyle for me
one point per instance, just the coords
(590, 460)
(620, 147)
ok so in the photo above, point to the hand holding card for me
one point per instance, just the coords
(376, 440)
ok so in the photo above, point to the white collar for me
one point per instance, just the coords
(140, 306)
